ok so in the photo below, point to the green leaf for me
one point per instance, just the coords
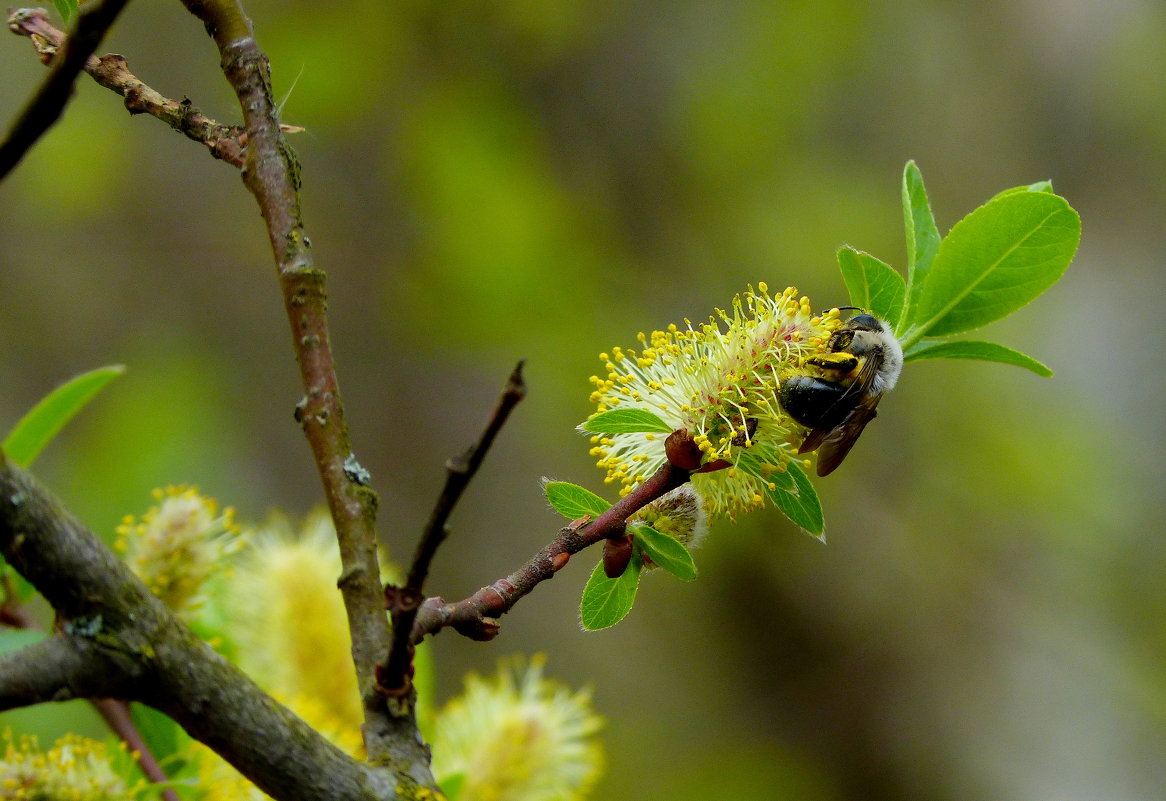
(994, 261)
(607, 601)
(922, 233)
(1039, 186)
(452, 786)
(796, 497)
(572, 501)
(665, 551)
(626, 421)
(425, 680)
(67, 9)
(873, 285)
(166, 739)
(15, 639)
(37, 428)
(972, 349)
(21, 589)
(793, 492)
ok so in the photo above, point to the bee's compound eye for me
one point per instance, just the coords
(865, 322)
(841, 339)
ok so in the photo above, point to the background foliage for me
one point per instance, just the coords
(517, 179)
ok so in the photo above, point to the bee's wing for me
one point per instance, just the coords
(834, 443)
(838, 442)
(813, 440)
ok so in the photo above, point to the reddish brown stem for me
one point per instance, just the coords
(117, 717)
(476, 616)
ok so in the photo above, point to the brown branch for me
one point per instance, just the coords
(394, 678)
(271, 173)
(115, 712)
(118, 640)
(58, 668)
(50, 99)
(476, 617)
(111, 71)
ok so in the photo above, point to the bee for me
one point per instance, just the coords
(863, 362)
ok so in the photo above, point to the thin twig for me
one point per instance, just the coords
(50, 99)
(112, 72)
(476, 616)
(117, 716)
(394, 677)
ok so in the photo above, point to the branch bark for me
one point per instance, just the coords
(58, 668)
(271, 173)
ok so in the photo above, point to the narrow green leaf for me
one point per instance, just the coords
(607, 601)
(626, 421)
(425, 682)
(165, 737)
(796, 497)
(665, 551)
(452, 786)
(922, 235)
(572, 501)
(972, 349)
(994, 261)
(873, 285)
(15, 639)
(37, 428)
(67, 9)
(21, 589)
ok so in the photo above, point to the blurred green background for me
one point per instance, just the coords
(493, 181)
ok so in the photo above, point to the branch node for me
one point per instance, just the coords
(402, 599)
(481, 629)
(617, 553)
(681, 449)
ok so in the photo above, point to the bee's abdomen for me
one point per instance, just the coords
(812, 401)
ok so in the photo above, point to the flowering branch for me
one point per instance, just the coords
(477, 616)
(46, 105)
(119, 640)
(25, 673)
(393, 678)
(225, 142)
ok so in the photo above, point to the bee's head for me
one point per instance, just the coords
(844, 336)
(863, 322)
(861, 334)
